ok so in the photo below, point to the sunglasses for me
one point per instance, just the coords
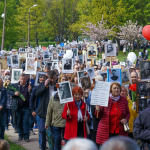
(42, 76)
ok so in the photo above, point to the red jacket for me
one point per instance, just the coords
(71, 127)
(103, 126)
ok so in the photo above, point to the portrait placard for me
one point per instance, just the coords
(55, 65)
(46, 55)
(75, 52)
(22, 63)
(145, 70)
(114, 75)
(100, 93)
(31, 66)
(81, 74)
(142, 104)
(90, 72)
(15, 75)
(39, 65)
(103, 74)
(110, 49)
(15, 61)
(92, 51)
(38, 74)
(85, 83)
(22, 55)
(55, 56)
(143, 89)
(8, 61)
(64, 92)
(30, 55)
(67, 65)
(125, 77)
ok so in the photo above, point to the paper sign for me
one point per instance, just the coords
(100, 93)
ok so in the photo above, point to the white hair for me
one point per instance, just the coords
(99, 78)
(120, 143)
(80, 144)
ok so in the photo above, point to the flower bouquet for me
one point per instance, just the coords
(7, 85)
(133, 88)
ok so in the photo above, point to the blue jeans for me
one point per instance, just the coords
(38, 122)
(57, 137)
(8, 114)
(42, 133)
(23, 122)
(2, 123)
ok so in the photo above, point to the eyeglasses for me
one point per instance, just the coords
(43, 76)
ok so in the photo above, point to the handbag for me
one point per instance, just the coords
(125, 126)
(50, 138)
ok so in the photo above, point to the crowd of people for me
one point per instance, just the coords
(26, 107)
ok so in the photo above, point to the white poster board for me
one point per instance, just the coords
(100, 93)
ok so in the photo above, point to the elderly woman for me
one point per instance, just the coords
(74, 113)
(112, 117)
(53, 117)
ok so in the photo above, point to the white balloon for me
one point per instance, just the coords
(69, 54)
(65, 56)
(131, 57)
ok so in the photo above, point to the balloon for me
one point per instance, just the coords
(69, 54)
(146, 32)
(131, 57)
(65, 56)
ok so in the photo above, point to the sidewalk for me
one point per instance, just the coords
(32, 145)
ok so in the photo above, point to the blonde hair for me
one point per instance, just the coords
(4, 145)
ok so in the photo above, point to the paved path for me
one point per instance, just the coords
(32, 145)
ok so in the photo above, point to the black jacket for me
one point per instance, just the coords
(141, 128)
(42, 92)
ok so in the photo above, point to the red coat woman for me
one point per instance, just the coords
(74, 113)
(112, 117)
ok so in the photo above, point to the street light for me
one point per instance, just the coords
(29, 25)
(3, 35)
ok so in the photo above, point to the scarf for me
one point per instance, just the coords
(115, 99)
(78, 104)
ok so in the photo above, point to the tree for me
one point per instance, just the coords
(130, 31)
(99, 31)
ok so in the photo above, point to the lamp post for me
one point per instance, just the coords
(3, 35)
(29, 25)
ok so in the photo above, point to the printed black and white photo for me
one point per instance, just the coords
(8, 61)
(22, 50)
(141, 104)
(81, 74)
(54, 65)
(30, 55)
(22, 64)
(143, 89)
(92, 51)
(40, 75)
(46, 55)
(114, 75)
(90, 72)
(110, 49)
(75, 52)
(137, 64)
(103, 74)
(55, 57)
(125, 75)
(67, 65)
(15, 61)
(145, 70)
(15, 75)
(85, 83)
(64, 92)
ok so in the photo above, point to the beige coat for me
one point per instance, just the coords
(54, 111)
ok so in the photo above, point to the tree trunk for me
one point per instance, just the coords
(118, 43)
(138, 45)
(36, 37)
(133, 46)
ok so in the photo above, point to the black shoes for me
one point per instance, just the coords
(20, 139)
(27, 140)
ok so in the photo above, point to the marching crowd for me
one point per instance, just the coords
(31, 106)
